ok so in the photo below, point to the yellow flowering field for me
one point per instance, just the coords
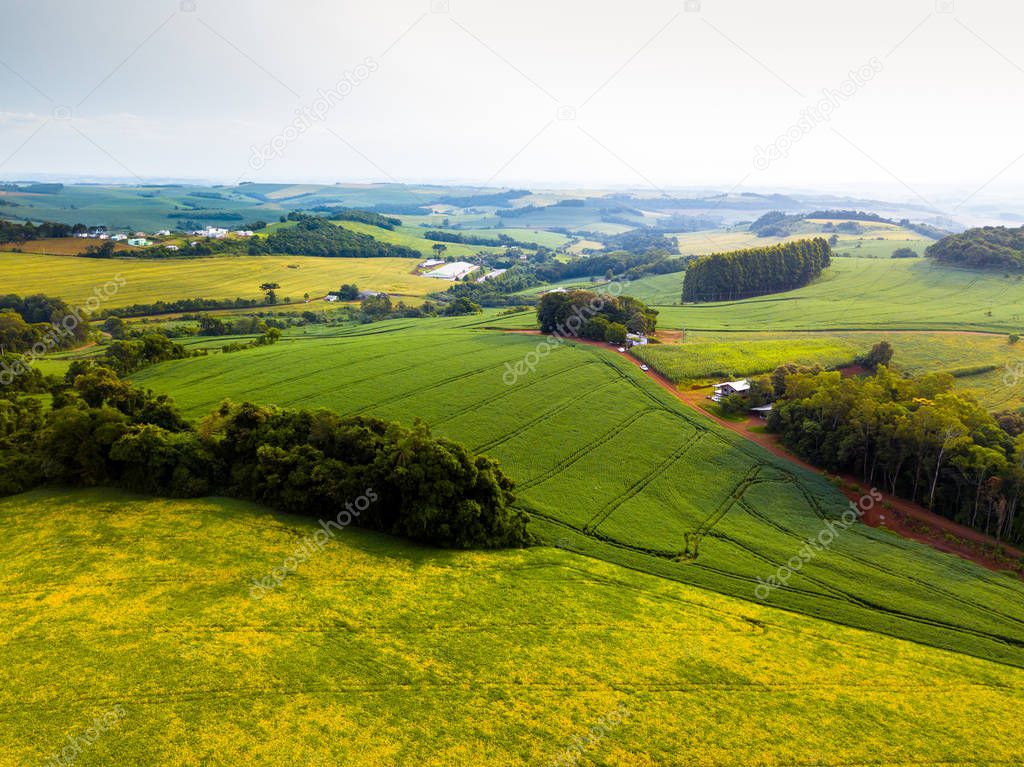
(130, 634)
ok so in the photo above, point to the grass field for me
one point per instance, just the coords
(613, 466)
(74, 279)
(60, 246)
(379, 652)
(855, 294)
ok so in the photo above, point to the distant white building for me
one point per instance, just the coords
(140, 234)
(330, 297)
(492, 274)
(163, 233)
(453, 271)
(170, 247)
(118, 237)
(103, 236)
(138, 242)
(212, 232)
(243, 232)
(726, 388)
(431, 262)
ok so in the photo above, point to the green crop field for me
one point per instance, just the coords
(612, 465)
(74, 279)
(859, 293)
(703, 357)
(986, 365)
(374, 651)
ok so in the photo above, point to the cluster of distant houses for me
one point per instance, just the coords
(140, 240)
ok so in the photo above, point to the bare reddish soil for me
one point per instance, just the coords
(903, 517)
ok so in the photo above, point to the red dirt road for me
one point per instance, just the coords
(904, 518)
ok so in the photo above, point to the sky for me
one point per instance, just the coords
(908, 97)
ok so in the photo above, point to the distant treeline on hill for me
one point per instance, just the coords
(181, 305)
(498, 199)
(12, 232)
(775, 223)
(315, 236)
(473, 239)
(354, 214)
(756, 271)
(987, 247)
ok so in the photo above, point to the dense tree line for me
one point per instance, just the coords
(39, 319)
(127, 356)
(986, 247)
(916, 438)
(568, 313)
(497, 291)
(315, 236)
(642, 241)
(14, 232)
(354, 214)
(102, 431)
(181, 305)
(756, 271)
(475, 239)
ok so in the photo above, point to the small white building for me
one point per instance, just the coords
(726, 388)
(171, 247)
(431, 262)
(453, 271)
(138, 242)
(243, 232)
(163, 233)
(492, 274)
(331, 298)
(636, 339)
(118, 237)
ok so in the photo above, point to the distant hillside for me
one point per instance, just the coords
(987, 247)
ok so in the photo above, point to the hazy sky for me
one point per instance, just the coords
(658, 93)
